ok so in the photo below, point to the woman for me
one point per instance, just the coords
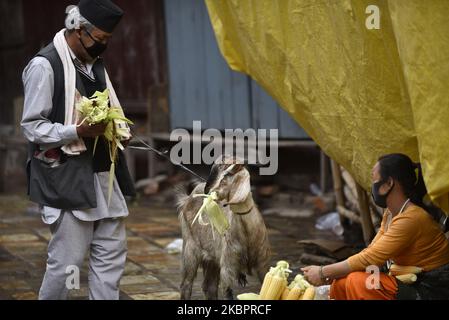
(409, 236)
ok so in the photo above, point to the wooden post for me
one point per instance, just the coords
(18, 110)
(3, 150)
(348, 214)
(338, 189)
(365, 215)
(151, 156)
(323, 171)
(338, 183)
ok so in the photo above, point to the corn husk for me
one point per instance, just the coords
(300, 282)
(217, 217)
(408, 278)
(307, 290)
(96, 110)
(397, 270)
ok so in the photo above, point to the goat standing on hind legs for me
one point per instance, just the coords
(227, 259)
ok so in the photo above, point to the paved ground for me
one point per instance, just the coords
(151, 273)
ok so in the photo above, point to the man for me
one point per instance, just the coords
(66, 178)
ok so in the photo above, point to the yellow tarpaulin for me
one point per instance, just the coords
(358, 92)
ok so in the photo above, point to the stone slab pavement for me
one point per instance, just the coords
(150, 273)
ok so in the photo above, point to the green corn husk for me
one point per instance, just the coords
(214, 212)
(96, 110)
(95, 145)
(300, 282)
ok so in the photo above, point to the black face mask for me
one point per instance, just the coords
(379, 199)
(94, 50)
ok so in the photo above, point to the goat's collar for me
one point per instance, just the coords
(243, 213)
(244, 207)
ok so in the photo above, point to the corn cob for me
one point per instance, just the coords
(299, 281)
(295, 293)
(285, 294)
(275, 281)
(277, 286)
(407, 278)
(265, 284)
(309, 294)
(301, 289)
(396, 270)
(248, 296)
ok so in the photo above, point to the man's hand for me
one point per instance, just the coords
(90, 131)
(126, 142)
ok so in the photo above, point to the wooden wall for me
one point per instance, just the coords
(136, 57)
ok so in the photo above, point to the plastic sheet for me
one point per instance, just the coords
(358, 93)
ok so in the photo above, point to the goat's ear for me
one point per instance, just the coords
(240, 187)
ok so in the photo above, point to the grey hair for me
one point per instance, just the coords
(75, 20)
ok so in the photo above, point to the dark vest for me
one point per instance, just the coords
(70, 185)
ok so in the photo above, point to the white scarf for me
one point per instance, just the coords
(72, 95)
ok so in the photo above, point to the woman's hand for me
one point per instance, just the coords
(330, 272)
(312, 275)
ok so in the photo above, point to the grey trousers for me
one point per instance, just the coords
(71, 240)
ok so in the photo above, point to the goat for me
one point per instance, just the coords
(227, 259)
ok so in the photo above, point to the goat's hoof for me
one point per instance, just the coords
(229, 295)
(242, 280)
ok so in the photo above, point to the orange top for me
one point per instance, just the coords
(412, 239)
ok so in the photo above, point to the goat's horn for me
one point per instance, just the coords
(211, 179)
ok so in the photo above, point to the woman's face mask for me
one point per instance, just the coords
(380, 199)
